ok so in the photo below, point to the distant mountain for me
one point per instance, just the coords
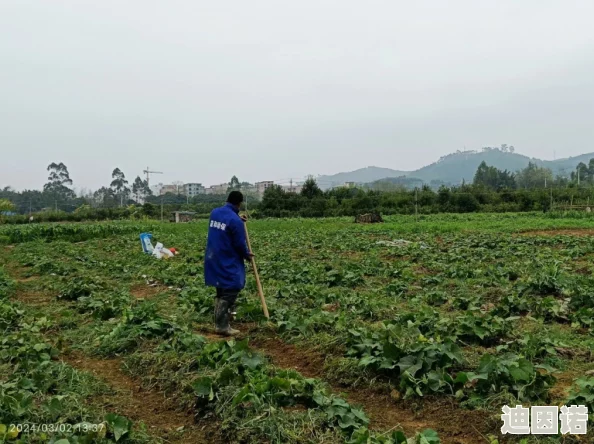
(363, 175)
(454, 168)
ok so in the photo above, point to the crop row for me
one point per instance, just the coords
(227, 379)
(38, 389)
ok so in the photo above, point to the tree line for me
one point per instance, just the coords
(532, 189)
(58, 195)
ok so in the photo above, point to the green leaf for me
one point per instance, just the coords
(320, 399)
(244, 393)
(367, 360)
(477, 376)
(410, 364)
(399, 437)
(347, 421)
(360, 414)
(487, 364)
(280, 383)
(340, 402)
(26, 384)
(119, 425)
(54, 407)
(202, 386)
(241, 345)
(523, 372)
(252, 360)
(462, 378)
(392, 352)
(429, 436)
(226, 376)
(547, 367)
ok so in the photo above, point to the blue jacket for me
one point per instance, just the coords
(226, 249)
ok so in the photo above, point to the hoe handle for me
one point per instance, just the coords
(260, 291)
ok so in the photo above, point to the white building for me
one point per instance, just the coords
(261, 187)
(193, 189)
(168, 189)
(217, 189)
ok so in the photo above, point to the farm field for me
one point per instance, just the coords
(406, 330)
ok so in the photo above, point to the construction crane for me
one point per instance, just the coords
(148, 172)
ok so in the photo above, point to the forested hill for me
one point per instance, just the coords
(454, 168)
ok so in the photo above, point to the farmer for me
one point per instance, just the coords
(224, 269)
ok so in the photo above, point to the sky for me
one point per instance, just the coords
(270, 90)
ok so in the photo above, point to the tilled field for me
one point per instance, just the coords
(378, 334)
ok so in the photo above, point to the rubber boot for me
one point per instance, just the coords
(222, 315)
(233, 313)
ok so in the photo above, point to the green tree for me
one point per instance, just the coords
(534, 176)
(426, 196)
(466, 202)
(486, 176)
(444, 195)
(273, 201)
(234, 184)
(311, 189)
(138, 189)
(6, 206)
(58, 182)
(119, 185)
(591, 171)
(582, 173)
(105, 197)
(493, 178)
(146, 189)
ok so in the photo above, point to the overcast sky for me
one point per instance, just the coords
(272, 89)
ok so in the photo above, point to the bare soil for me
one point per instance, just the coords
(152, 408)
(386, 412)
(34, 297)
(144, 291)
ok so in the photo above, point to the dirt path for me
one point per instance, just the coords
(454, 425)
(131, 401)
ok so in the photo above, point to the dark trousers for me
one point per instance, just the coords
(229, 296)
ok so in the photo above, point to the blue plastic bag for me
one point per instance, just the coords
(145, 241)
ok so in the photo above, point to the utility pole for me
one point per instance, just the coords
(416, 204)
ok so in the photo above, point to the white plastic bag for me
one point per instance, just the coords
(158, 250)
(161, 252)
